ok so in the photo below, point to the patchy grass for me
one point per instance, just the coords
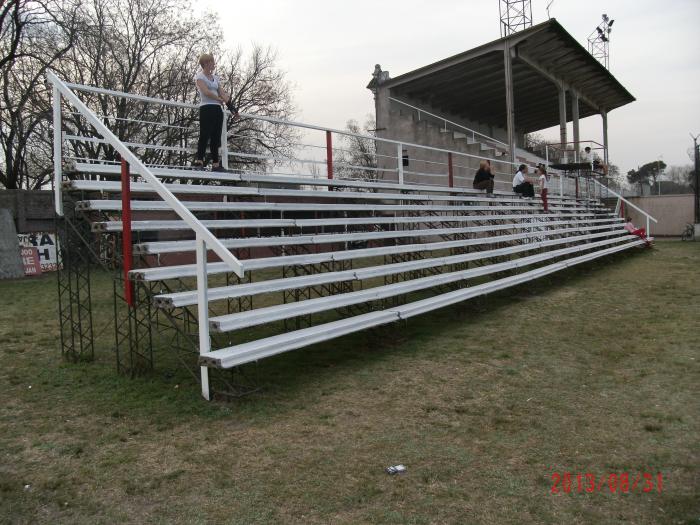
(596, 371)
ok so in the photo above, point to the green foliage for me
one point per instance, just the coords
(647, 173)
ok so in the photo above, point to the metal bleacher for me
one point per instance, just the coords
(311, 259)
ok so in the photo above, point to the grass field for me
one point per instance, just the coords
(596, 371)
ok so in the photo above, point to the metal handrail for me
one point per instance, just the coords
(473, 132)
(204, 237)
(146, 173)
(621, 198)
(273, 120)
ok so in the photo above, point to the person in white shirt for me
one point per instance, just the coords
(521, 184)
(544, 186)
(586, 155)
(639, 232)
(211, 115)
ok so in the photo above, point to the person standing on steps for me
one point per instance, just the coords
(483, 180)
(521, 184)
(544, 186)
(211, 113)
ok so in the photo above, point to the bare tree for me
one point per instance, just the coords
(143, 47)
(357, 158)
(34, 36)
(259, 87)
(148, 47)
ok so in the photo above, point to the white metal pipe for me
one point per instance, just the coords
(57, 161)
(628, 202)
(203, 311)
(121, 94)
(223, 159)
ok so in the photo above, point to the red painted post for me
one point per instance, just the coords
(329, 154)
(127, 255)
(622, 209)
(450, 171)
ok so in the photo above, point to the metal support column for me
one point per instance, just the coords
(574, 117)
(604, 115)
(510, 104)
(203, 312)
(126, 233)
(562, 115)
(450, 171)
(57, 146)
(329, 154)
(224, 141)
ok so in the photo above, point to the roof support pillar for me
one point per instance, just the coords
(604, 115)
(510, 104)
(562, 115)
(574, 117)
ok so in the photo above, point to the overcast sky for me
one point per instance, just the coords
(329, 49)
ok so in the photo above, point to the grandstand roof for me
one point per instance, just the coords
(472, 83)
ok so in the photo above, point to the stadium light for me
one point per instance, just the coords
(599, 39)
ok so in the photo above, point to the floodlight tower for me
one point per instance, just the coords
(516, 15)
(599, 41)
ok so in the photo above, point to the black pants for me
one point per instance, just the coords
(211, 118)
(525, 189)
(484, 185)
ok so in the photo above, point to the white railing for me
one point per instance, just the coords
(620, 198)
(441, 171)
(445, 121)
(570, 147)
(205, 239)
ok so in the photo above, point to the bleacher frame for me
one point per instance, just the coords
(400, 239)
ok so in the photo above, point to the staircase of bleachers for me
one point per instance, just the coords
(305, 259)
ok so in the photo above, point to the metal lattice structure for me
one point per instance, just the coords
(516, 15)
(599, 41)
(74, 294)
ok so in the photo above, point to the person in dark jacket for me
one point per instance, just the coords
(483, 180)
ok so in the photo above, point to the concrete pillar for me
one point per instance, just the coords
(604, 115)
(382, 126)
(510, 104)
(10, 260)
(562, 116)
(574, 117)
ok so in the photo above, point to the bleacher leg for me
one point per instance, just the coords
(127, 255)
(203, 311)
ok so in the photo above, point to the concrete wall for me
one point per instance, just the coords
(397, 122)
(672, 211)
(32, 211)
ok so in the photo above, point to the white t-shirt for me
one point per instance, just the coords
(585, 156)
(212, 85)
(543, 182)
(518, 179)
